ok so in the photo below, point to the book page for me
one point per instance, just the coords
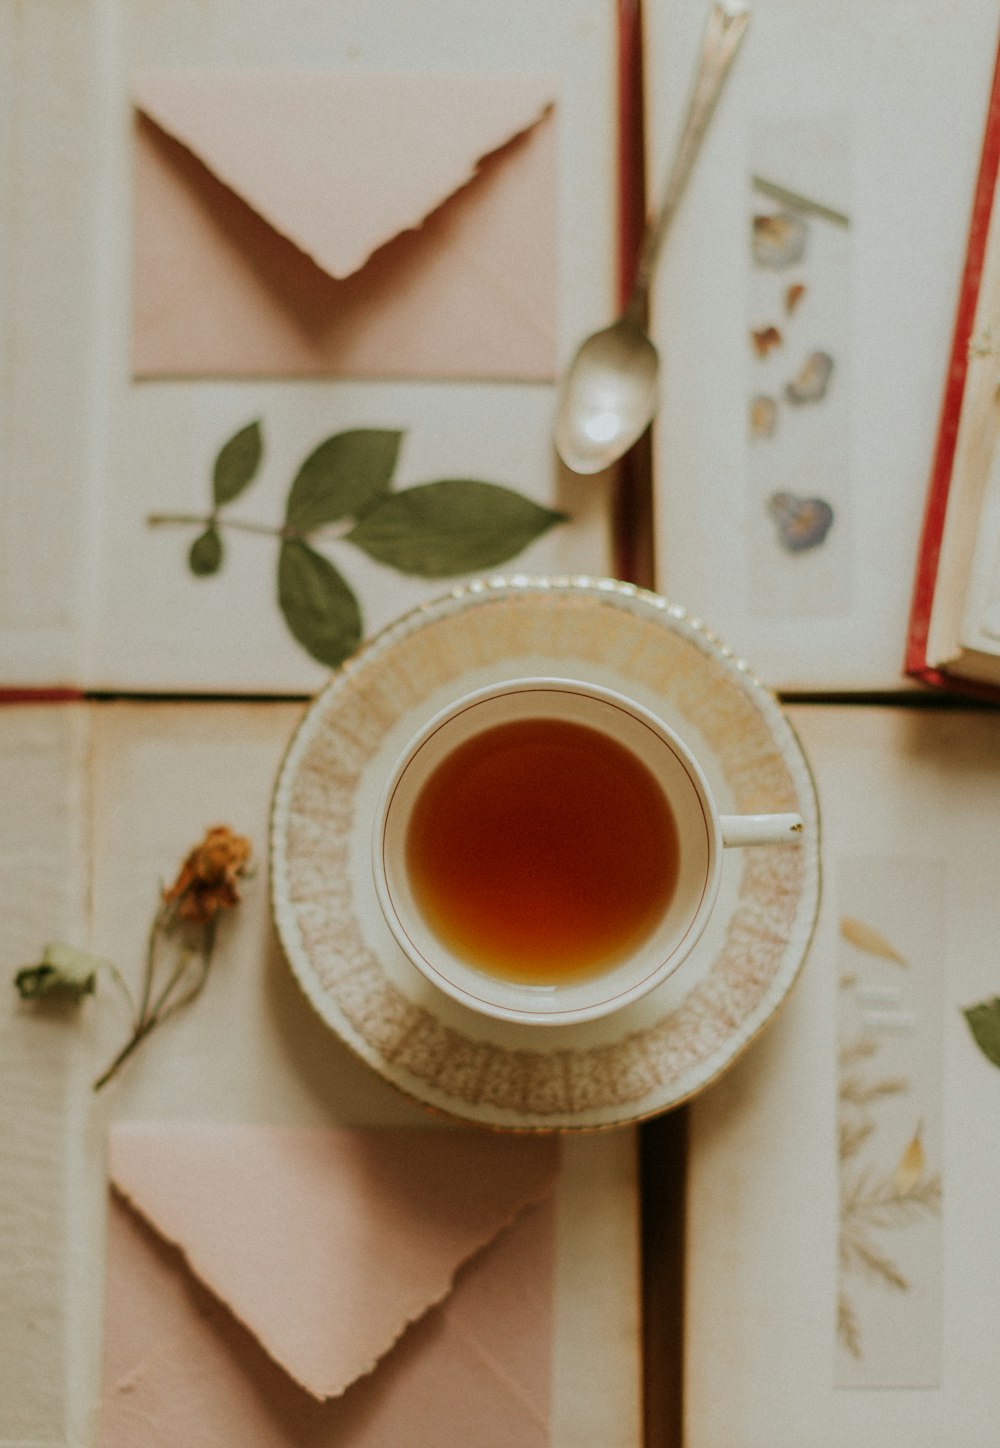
(840, 1264)
(805, 329)
(43, 889)
(47, 258)
(981, 620)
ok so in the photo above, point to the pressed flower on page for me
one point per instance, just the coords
(208, 882)
(179, 946)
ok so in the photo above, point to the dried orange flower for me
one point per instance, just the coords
(794, 295)
(208, 879)
(765, 339)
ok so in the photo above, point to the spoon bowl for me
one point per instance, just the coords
(609, 397)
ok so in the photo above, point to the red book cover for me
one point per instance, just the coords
(916, 661)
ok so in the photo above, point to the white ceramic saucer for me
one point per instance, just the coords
(656, 1052)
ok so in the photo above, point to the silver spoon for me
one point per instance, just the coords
(609, 393)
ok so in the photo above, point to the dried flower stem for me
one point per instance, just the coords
(136, 1038)
(159, 921)
(122, 985)
(154, 1010)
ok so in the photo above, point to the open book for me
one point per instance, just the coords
(841, 1265)
(100, 801)
(954, 634)
(298, 291)
(803, 309)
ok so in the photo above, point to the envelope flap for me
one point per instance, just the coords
(340, 162)
(326, 1244)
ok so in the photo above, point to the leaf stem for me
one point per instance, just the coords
(286, 533)
(209, 520)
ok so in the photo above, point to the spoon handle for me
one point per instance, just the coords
(723, 33)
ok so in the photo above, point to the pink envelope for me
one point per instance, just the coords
(315, 223)
(313, 1300)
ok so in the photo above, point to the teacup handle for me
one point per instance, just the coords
(760, 829)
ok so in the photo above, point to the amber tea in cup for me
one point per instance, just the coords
(542, 850)
(548, 850)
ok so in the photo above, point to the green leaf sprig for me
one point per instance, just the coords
(343, 491)
(64, 975)
(234, 469)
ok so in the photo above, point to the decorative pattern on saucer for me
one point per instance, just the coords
(647, 1057)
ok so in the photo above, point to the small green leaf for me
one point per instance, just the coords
(344, 475)
(318, 605)
(236, 464)
(984, 1023)
(205, 556)
(63, 973)
(455, 526)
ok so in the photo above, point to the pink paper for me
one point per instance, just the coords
(315, 223)
(326, 1244)
(179, 1370)
(339, 163)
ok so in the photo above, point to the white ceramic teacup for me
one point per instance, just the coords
(666, 939)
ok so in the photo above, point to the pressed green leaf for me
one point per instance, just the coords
(984, 1023)
(318, 605)
(63, 973)
(205, 556)
(455, 526)
(237, 464)
(344, 475)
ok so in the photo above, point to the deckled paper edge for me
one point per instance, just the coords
(474, 170)
(326, 1393)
